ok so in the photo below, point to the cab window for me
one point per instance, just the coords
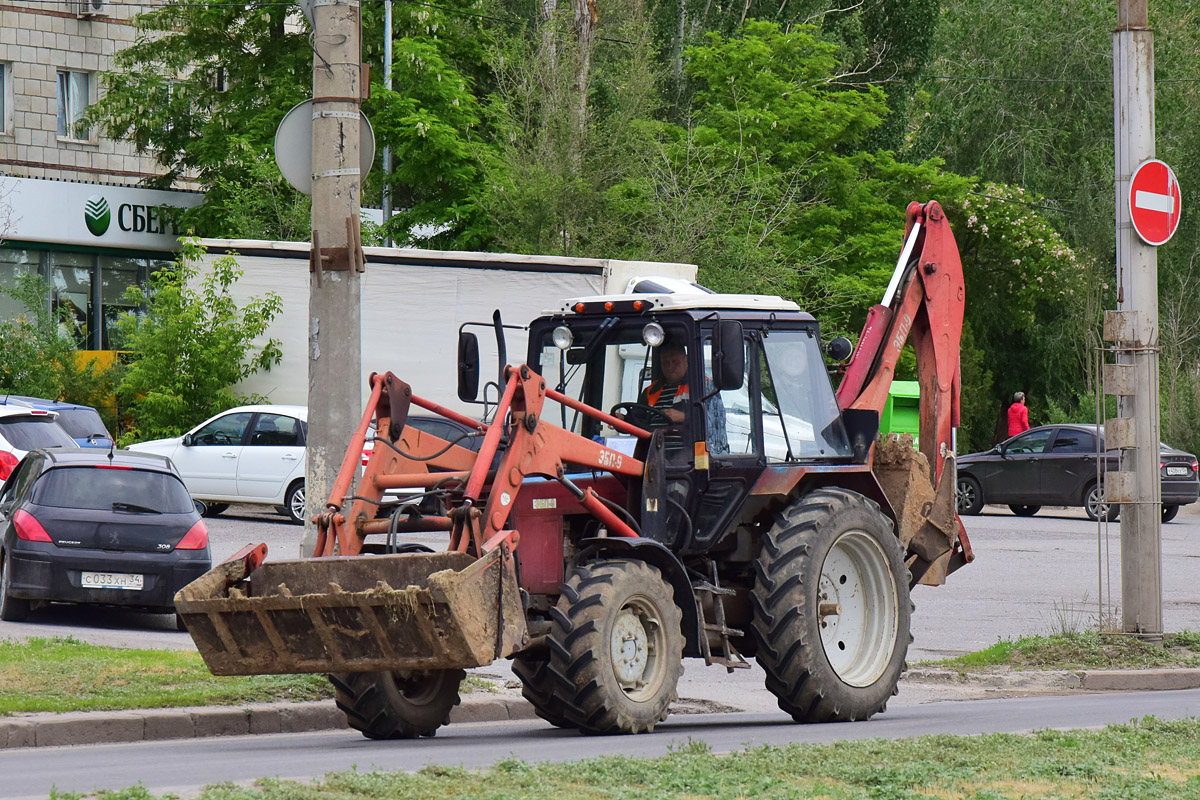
(800, 415)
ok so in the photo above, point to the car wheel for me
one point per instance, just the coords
(968, 497)
(12, 609)
(1025, 511)
(212, 509)
(293, 503)
(1169, 513)
(1096, 508)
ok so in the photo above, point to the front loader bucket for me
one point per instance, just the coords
(366, 613)
(925, 518)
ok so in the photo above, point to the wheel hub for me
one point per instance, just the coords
(857, 609)
(630, 649)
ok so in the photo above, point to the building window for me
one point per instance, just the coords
(6, 101)
(74, 97)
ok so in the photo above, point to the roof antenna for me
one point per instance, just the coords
(112, 445)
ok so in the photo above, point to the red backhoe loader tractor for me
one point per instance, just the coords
(612, 538)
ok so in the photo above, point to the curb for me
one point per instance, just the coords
(1049, 681)
(109, 727)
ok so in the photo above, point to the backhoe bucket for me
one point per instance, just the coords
(925, 518)
(366, 613)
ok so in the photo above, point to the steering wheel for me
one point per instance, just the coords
(642, 415)
(221, 437)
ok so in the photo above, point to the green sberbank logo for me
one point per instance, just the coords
(96, 215)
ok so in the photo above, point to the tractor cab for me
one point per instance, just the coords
(734, 384)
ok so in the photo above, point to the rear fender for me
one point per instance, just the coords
(672, 569)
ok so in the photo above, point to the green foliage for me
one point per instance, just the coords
(203, 89)
(39, 357)
(191, 345)
(35, 346)
(1142, 759)
(1032, 305)
(432, 123)
(1084, 650)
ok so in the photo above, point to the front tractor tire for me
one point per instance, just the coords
(616, 648)
(397, 705)
(831, 608)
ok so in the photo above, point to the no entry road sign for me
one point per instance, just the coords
(1154, 202)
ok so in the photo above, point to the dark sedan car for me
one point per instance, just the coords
(1055, 465)
(88, 526)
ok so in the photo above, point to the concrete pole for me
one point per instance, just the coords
(1137, 281)
(334, 372)
(387, 82)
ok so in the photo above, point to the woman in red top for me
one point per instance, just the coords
(1018, 415)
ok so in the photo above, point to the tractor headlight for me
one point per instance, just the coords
(562, 337)
(653, 334)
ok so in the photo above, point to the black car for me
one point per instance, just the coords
(93, 526)
(1056, 465)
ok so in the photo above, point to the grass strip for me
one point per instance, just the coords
(1149, 759)
(1086, 650)
(65, 674)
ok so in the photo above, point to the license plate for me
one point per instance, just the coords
(1177, 470)
(111, 580)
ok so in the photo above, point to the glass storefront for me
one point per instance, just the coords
(86, 289)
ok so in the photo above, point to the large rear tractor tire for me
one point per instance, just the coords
(538, 686)
(616, 647)
(396, 705)
(831, 608)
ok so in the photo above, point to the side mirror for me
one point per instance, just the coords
(187, 440)
(728, 355)
(468, 367)
(839, 349)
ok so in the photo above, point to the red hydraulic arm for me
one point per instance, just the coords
(924, 300)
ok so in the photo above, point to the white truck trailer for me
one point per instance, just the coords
(413, 303)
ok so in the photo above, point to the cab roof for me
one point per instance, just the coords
(698, 301)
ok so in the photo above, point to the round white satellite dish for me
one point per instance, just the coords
(293, 146)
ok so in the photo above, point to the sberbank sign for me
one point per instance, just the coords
(96, 214)
(131, 217)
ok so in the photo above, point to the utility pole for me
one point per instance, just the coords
(334, 360)
(1134, 329)
(387, 150)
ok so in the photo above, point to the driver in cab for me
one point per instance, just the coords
(669, 394)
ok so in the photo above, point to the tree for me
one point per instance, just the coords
(191, 344)
(35, 349)
(203, 88)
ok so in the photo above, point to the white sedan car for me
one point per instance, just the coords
(248, 454)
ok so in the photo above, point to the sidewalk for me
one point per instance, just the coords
(921, 685)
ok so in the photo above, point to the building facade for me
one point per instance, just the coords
(72, 209)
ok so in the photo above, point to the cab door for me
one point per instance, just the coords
(732, 432)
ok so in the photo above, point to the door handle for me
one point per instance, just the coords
(289, 458)
(229, 455)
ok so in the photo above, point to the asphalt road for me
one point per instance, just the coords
(183, 766)
(1032, 575)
